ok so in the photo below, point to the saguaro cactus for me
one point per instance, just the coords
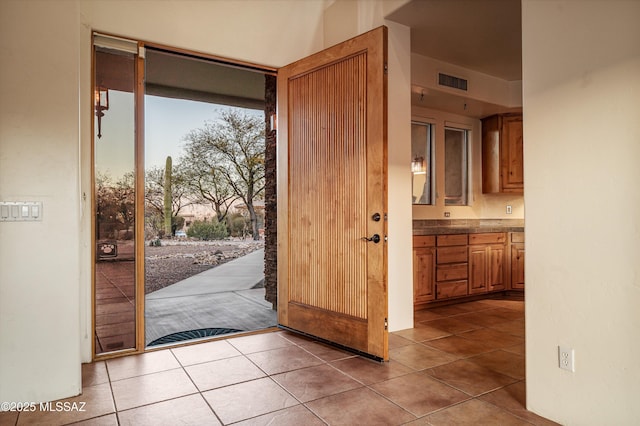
(167, 197)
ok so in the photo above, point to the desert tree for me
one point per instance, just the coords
(231, 152)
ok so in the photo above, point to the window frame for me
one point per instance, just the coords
(429, 163)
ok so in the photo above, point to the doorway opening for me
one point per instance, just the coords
(189, 212)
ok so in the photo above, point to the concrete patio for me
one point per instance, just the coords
(227, 296)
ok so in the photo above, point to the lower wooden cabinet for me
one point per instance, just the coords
(458, 265)
(424, 267)
(451, 266)
(517, 260)
(486, 262)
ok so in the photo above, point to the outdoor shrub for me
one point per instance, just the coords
(204, 230)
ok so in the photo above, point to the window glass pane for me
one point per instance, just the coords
(455, 179)
(421, 167)
(114, 186)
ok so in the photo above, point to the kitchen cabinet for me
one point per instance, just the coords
(486, 262)
(451, 266)
(517, 260)
(458, 265)
(424, 266)
(502, 154)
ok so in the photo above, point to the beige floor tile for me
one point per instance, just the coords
(451, 325)
(295, 338)
(360, 406)
(396, 341)
(474, 413)
(418, 356)
(8, 418)
(456, 309)
(419, 393)
(205, 352)
(425, 315)
(503, 362)
(510, 314)
(326, 352)
(517, 349)
(187, 410)
(94, 373)
(93, 402)
(422, 332)
(484, 318)
(151, 388)
(250, 399)
(284, 359)
(260, 342)
(512, 398)
(470, 378)
(294, 416)
(367, 371)
(459, 346)
(492, 337)
(312, 383)
(108, 420)
(223, 372)
(137, 365)
(505, 303)
(515, 328)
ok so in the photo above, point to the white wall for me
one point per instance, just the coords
(581, 78)
(482, 87)
(39, 161)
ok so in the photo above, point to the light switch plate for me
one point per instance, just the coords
(20, 211)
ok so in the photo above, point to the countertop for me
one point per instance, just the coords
(466, 226)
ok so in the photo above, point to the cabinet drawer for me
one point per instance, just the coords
(456, 271)
(452, 240)
(424, 241)
(489, 238)
(454, 254)
(517, 237)
(451, 289)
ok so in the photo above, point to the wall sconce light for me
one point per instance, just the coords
(102, 104)
(417, 165)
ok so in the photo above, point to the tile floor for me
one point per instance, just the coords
(461, 365)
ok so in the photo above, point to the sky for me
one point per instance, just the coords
(167, 122)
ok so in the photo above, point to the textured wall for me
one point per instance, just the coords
(270, 220)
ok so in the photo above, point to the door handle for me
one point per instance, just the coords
(375, 238)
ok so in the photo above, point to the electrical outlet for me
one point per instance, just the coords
(566, 358)
(447, 214)
(509, 209)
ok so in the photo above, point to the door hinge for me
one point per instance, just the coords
(386, 324)
(386, 68)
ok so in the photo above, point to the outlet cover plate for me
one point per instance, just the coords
(566, 358)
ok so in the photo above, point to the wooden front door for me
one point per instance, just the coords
(332, 194)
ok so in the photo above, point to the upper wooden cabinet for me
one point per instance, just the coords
(502, 159)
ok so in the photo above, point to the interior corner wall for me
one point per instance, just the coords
(39, 157)
(400, 257)
(581, 87)
(270, 33)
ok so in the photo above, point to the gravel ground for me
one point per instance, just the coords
(176, 260)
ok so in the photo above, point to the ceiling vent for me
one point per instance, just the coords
(451, 81)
